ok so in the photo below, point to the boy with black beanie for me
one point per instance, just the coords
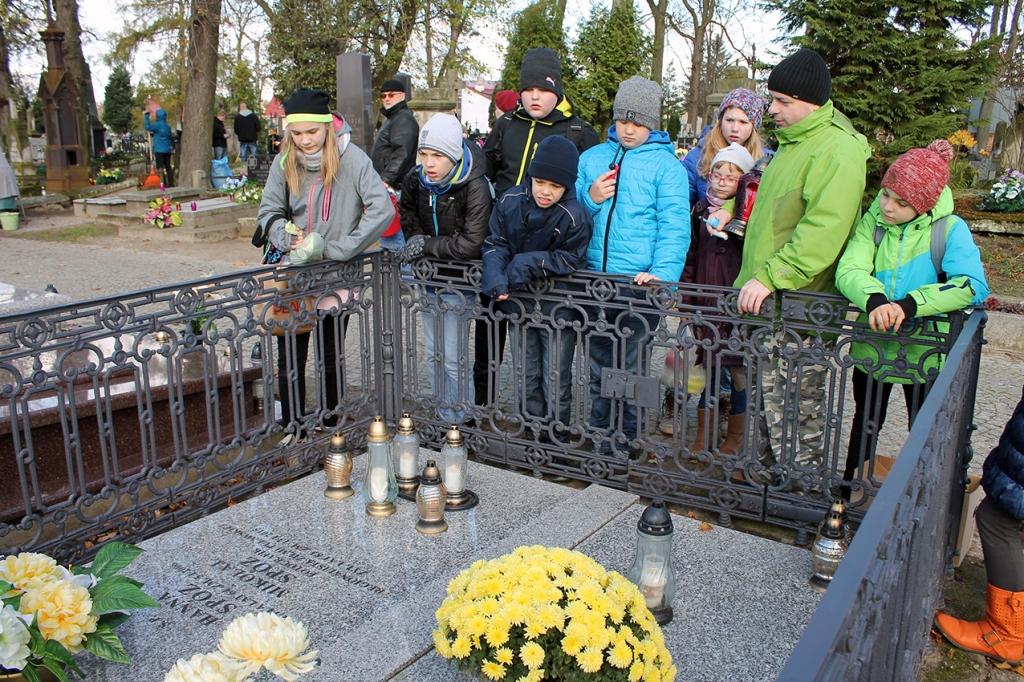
(538, 229)
(543, 111)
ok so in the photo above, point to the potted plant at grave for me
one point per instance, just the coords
(50, 612)
(544, 613)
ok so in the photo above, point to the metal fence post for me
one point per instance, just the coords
(387, 326)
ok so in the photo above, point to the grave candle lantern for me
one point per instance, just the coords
(379, 486)
(338, 467)
(193, 205)
(455, 463)
(652, 568)
(405, 451)
(162, 188)
(430, 501)
(177, 206)
(829, 546)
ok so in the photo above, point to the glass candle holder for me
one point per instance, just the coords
(430, 501)
(379, 486)
(652, 570)
(338, 467)
(405, 452)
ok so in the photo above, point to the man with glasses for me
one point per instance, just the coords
(394, 150)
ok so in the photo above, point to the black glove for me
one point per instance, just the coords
(412, 250)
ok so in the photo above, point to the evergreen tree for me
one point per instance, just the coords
(611, 47)
(241, 86)
(900, 72)
(535, 26)
(117, 101)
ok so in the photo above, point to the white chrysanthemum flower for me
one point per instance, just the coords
(213, 667)
(14, 640)
(266, 640)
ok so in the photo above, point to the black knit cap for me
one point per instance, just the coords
(542, 69)
(393, 85)
(306, 101)
(803, 75)
(556, 160)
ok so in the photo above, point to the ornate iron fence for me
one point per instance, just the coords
(874, 620)
(109, 430)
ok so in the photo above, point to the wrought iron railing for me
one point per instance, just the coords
(873, 622)
(108, 430)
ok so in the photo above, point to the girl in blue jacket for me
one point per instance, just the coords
(638, 193)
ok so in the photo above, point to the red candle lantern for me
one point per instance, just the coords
(746, 194)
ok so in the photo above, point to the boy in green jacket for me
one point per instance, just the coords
(888, 271)
(807, 204)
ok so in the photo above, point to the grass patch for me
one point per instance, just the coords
(71, 235)
(1003, 258)
(967, 208)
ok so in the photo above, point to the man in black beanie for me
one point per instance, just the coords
(543, 111)
(808, 202)
(394, 149)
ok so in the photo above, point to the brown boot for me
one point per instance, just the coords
(702, 439)
(733, 443)
(999, 635)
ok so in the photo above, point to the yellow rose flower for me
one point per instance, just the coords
(204, 668)
(532, 655)
(28, 570)
(64, 611)
(266, 640)
(493, 671)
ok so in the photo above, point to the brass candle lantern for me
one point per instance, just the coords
(338, 467)
(162, 337)
(652, 568)
(258, 396)
(405, 451)
(430, 501)
(379, 487)
(829, 546)
(455, 463)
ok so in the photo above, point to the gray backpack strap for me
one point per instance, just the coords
(938, 246)
(879, 235)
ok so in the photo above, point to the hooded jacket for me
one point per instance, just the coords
(528, 242)
(162, 134)
(247, 126)
(394, 150)
(902, 266)
(452, 218)
(350, 218)
(807, 204)
(514, 138)
(220, 135)
(645, 225)
(1003, 477)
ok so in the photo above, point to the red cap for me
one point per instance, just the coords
(920, 175)
(506, 100)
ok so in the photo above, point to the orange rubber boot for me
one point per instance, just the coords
(999, 635)
(733, 443)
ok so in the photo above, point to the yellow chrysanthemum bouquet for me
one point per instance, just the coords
(544, 613)
(251, 643)
(50, 612)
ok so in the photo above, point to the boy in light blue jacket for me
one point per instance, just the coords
(638, 193)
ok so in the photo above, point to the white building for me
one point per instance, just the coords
(476, 102)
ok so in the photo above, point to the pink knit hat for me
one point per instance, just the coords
(920, 175)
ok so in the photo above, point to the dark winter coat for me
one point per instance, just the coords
(454, 220)
(162, 135)
(220, 135)
(1003, 478)
(394, 150)
(528, 242)
(515, 136)
(715, 262)
(247, 126)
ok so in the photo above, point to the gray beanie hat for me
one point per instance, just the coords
(638, 100)
(442, 133)
(737, 155)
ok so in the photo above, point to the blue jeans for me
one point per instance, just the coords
(394, 242)
(611, 349)
(248, 149)
(219, 153)
(545, 362)
(455, 391)
(737, 397)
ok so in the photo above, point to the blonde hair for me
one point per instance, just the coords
(329, 163)
(716, 142)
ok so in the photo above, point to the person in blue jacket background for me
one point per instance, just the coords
(1000, 633)
(638, 193)
(162, 144)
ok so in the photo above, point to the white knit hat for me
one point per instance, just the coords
(442, 133)
(737, 155)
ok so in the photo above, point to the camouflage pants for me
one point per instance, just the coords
(789, 385)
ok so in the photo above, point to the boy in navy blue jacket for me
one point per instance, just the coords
(539, 230)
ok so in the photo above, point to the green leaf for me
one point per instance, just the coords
(30, 674)
(56, 668)
(56, 651)
(119, 593)
(5, 586)
(14, 602)
(105, 644)
(36, 643)
(112, 557)
(113, 619)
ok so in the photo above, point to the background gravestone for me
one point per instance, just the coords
(258, 166)
(355, 97)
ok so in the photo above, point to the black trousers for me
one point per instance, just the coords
(863, 384)
(1000, 542)
(163, 162)
(292, 387)
(485, 329)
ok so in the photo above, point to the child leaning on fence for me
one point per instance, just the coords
(538, 230)
(891, 270)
